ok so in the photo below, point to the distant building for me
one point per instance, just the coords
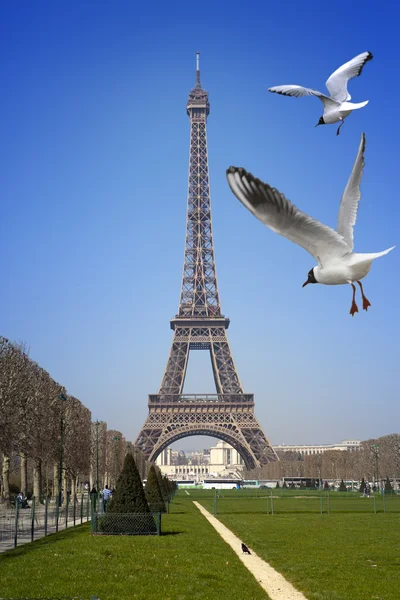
(220, 460)
(308, 449)
(223, 460)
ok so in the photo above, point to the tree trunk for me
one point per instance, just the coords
(64, 486)
(73, 487)
(92, 476)
(24, 474)
(37, 479)
(55, 481)
(6, 482)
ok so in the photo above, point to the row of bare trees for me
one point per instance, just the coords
(42, 427)
(375, 460)
(108, 450)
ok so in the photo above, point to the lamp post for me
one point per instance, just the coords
(375, 450)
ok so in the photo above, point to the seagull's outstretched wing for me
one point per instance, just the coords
(351, 197)
(337, 82)
(276, 212)
(298, 91)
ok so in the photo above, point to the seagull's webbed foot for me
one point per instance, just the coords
(341, 124)
(354, 307)
(365, 300)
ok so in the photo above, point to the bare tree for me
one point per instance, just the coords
(115, 454)
(98, 454)
(14, 392)
(77, 441)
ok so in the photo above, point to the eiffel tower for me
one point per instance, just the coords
(200, 325)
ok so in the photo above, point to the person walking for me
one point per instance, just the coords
(106, 496)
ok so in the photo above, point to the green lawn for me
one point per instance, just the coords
(189, 562)
(349, 555)
(341, 556)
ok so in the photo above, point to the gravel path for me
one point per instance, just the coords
(270, 580)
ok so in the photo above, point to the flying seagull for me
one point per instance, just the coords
(245, 549)
(336, 106)
(333, 250)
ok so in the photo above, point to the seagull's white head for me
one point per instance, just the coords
(311, 277)
(321, 122)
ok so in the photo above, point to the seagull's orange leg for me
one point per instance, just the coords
(354, 307)
(366, 302)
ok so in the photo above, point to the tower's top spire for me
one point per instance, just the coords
(198, 98)
(198, 69)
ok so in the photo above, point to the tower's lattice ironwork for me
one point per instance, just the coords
(200, 325)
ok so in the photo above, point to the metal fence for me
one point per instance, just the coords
(37, 519)
(126, 524)
(272, 502)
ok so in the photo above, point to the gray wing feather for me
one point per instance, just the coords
(299, 91)
(351, 197)
(279, 214)
(337, 82)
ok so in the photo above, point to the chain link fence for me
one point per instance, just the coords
(126, 524)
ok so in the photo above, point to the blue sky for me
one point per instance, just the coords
(94, 153)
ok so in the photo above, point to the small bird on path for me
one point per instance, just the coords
(336, 106)
(245, 549)
(333, 250)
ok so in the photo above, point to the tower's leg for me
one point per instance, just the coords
(225, 375)
(175, 371)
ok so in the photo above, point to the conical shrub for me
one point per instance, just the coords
(154, 494)
(167, 487)
(128, 500)
(129, 496)
(160, 480)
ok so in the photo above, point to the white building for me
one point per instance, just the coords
(305, 450)
(222, 460)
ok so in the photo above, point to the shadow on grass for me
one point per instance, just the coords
(163, 533)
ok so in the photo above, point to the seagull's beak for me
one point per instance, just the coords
(305, 283)
(317, 124)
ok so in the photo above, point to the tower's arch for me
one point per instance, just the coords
(226, 437)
